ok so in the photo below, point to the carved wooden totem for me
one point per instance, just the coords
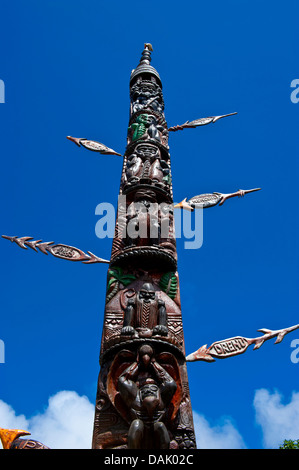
(143, 397)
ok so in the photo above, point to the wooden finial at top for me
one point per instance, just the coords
(148, 46)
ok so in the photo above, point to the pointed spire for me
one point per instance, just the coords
(146, 54)
(144, 66)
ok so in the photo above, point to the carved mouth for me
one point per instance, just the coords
(148, 394)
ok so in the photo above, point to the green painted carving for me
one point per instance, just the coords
(139, 127)
(116, 276)
(167, 179)
(169, 284)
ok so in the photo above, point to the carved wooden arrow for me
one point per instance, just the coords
(209, 200)
(198, 122)
(93, 145)
(67, 252)
(236, 345)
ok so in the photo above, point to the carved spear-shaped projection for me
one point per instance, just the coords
(237, 345)
(67, 252)
(93, 145)
(209, 200)
(198, 122)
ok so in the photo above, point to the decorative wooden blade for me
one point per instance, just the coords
(198, 122)
(94, 259)
(67, 252)
(237, 345)
(210, 200)
(93, 145)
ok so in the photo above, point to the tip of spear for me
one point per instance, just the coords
(252, 190)
(12, 239)
(216, 118)
(74, 139)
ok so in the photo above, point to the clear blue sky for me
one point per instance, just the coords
(66, 68)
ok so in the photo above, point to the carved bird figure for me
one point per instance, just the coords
(210, 200)
(10, 439)
(148, 46)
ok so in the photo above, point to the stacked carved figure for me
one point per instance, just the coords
(143, 397)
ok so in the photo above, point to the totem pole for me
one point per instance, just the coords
(143, 399)
(143, 396)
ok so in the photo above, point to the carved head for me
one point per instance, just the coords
(147, 151)
(145, 118)
(149, 390)
(145, 196)
(145, 354)
(147, 292)
(145, 89)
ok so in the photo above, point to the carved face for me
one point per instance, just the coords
(145, 118)
(147, 292)
(145, 90)
(149, 390)
(147, 151)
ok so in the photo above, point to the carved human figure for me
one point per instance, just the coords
(136, 161)
(146, 165)
(146, 95)
(146, 126)
(145, 311)
(134, 167)
(147, 389)
(143, 221)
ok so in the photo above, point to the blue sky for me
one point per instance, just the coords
(66, 68)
